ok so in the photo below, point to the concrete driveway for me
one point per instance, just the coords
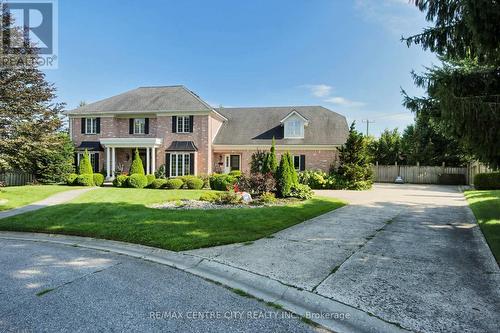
(59, 288)
(412, 255)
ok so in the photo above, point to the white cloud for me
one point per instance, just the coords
(319, 90)
(342, 101)
(324, 92)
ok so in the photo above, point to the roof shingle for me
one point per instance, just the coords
(148, 99)
(258, 125)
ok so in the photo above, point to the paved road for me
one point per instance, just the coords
(51, 287)
(408, 254)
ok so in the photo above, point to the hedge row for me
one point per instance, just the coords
(95, 179)
(150, 181)
(487, 181)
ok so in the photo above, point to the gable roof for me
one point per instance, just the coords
(258, 125)
(147, 99)
(294, 112)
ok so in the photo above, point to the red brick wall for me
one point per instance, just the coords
(315, 159)
(205, 129)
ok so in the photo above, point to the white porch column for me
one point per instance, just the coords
(153, 160)
(113, 161)
(108, 163)
(148, 170)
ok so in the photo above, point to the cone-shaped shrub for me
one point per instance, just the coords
(272, 159)
(293, 172)
(284, 176)
(137, 167)
(85, 167)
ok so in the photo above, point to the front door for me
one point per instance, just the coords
(231, 163)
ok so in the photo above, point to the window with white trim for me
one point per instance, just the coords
(180, 164)
(90, 125)
(296, 162)
(139, 125)
(294, 128)
(183, 124)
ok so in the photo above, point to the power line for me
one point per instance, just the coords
(368, 122)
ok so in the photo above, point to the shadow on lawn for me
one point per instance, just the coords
(170, 229)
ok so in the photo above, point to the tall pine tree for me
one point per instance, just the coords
(463, 93)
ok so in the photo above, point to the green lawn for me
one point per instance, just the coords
(17, 196)
(121, 214)
(486, 208)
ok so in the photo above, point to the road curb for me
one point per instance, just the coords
(329, 313)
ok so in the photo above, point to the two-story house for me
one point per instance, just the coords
(173, 126)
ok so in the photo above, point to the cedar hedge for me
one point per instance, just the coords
(487, 181)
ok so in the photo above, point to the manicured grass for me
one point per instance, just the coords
(22, 195)
(121, 214)
(486, 208)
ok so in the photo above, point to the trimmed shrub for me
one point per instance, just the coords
(284, 176)
(301, 191)
(487, 181)
(85, 167)
(85, 180)
(235, 173)
(268, 198)
(136, 167)
(137, 181)
(98, 179)
(451, 179)
(318, 180)
(71, 178)
(120, 181)
(174, 183)
(150, 179)
(221, 182)
(158, 183)
(194, 183)
(210, 197)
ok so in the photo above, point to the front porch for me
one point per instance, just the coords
(119, 153)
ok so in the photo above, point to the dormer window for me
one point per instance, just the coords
(294, 124)
(294, 129)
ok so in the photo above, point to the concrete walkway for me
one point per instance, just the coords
(55, 199)
(407, 254)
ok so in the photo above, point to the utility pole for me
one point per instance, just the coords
(368, 122)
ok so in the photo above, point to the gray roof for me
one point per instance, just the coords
(148, 99)
(258, 125)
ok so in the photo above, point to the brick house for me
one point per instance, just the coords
(172, 126)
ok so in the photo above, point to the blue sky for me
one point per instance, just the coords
(344, 55)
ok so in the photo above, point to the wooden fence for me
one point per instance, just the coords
(415, 174)
(16, 178)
